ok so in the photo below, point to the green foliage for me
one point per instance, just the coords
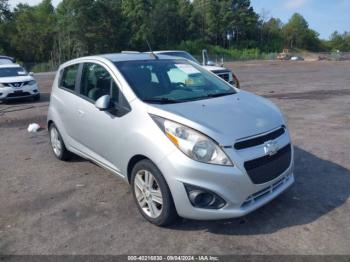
(272, 35)
(87, 27)
(229, 28)
(339, 42)
(218, 52)
(5, 12)
(297, 34)
(41, 67)
(34, 31)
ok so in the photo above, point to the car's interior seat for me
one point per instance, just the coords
(143, 85)
(103, 85)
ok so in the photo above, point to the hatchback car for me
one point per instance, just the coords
(187, 142)
(16, 83)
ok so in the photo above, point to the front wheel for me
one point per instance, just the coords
(152, 194)
(57, 144)
(36, 97)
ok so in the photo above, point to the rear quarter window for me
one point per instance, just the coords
(69, 77)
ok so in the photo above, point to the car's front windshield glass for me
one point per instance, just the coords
(12, 71)
(4, 61)
(172, 81)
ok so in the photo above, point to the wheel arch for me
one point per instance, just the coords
(49, 123)
(132, 162)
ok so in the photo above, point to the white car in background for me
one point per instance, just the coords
(16, 83)
(6, 60)
(222, 72)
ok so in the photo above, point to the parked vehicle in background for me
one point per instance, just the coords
(189, 143)
(16, 83)
(297, 58)
(224, 73)
(6, 60)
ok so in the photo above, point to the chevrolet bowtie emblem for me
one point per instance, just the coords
(271, 148)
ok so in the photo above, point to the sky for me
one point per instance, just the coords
(324, 16)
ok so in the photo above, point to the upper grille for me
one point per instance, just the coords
(16, 84)
(224, 74)
(268, 167)
(260, 139)
(226, 77)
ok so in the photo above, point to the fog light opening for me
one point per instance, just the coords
(202, 198)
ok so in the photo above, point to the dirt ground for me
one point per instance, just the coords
(53, 207)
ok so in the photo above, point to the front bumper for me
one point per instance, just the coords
(231, 183)
(10, 93)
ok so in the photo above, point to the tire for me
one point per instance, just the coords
(57, 145)
(36, 97)
(159, 214)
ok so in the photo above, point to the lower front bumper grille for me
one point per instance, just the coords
(19, 94)
(267, 168)
(252, 199)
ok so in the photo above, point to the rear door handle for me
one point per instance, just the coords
(81, 112)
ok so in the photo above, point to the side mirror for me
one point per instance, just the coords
(210, 63)
(103, 103)
(31, 73)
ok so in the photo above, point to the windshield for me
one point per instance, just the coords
(181, 54)
(12, 71)
(172, 81)
(5, 61)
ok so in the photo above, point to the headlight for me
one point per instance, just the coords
(192, 143)
(2, 85)
(32, 82)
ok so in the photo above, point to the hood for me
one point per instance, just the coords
(216, 68)
(225, 119)
(14, 79)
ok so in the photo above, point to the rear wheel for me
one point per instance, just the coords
(152, 194)
(57, 144)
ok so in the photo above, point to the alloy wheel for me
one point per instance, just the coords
(56, 142)
(148, 193)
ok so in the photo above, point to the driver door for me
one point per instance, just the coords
(100, 130)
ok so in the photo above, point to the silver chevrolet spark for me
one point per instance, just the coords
(187, 142)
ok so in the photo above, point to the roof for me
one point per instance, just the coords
(119, 57)
(9, 65)
(7, 57)
(169, 51)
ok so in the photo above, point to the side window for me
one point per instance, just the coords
(97, 82)
(69, 76)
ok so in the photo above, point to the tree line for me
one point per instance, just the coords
(75, 28)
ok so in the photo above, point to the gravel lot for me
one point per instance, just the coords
(52, 207)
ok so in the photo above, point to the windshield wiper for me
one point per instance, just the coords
(160, 100)
(220, 94)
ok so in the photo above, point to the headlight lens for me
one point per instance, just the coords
(192, 143)
(32, 82)
(2, 85)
